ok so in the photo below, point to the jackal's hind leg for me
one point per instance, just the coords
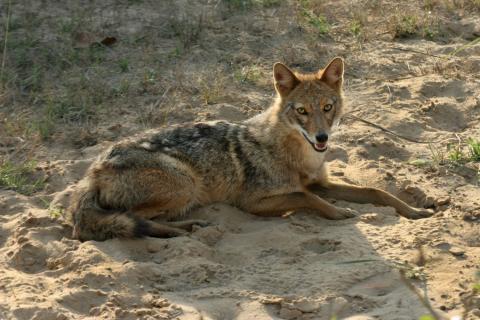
(279, 204)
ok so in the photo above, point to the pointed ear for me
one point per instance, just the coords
(333, 73)
(285, 79)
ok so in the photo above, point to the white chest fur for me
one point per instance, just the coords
(313, 167)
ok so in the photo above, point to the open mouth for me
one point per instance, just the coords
(319, 147)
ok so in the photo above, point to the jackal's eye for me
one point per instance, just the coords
(301, 110)
(327, 107)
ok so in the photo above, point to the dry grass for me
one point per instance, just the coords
(53, 85)
(70, 86)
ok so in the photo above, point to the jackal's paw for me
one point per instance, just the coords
(198, 224)
(418, 213)
(201, 223)
(175, 232)
(343, 213)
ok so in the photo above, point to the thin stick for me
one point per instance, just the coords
(423, 298)
(465, 46)
(7, 27)
(420, 52)
(351, 116)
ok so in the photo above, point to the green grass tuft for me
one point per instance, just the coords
(474, 149)
(20, 177)
(124, 65)
(318, 22)
(463, 152)
(458, 154)
(55, 212)
(406, 26)
(248, 74)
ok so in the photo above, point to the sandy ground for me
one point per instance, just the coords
(246, 267)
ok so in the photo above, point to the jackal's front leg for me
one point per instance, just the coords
(369, 195)
(279, 204)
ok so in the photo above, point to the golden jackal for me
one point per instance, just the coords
(267, 165)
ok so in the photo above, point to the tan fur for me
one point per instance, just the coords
(267, 165)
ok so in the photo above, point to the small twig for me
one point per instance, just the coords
(161, 101)
(465, 46)
(420, 52)
(161, 26)
(423, 298)
(458, 138)
(358, 261)
(390, 95)
(382, 33)
(405, 77)
(351, 116)
(410, 76)
(7, 27)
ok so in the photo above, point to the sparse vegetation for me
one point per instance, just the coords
(187, 29)
(44, 127)
(211, 88)
(124, 65)
(405, 26)
(55, 212)
(20, 177)
(313, 19)
(415, 23)
(466, 46)
(474, 149)
(5, 43)
(455, 154)
(463, 152)
(476, 285)
(356, 28)
(248, 74)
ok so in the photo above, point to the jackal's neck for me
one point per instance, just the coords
(271, 126)
(269, 121)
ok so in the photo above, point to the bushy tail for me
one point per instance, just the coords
(92, 222)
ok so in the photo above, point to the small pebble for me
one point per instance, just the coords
(271, 300)
(442, 201)
(456, 251)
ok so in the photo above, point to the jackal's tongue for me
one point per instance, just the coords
(321, 146)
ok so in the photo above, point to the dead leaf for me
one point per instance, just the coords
(108, 41)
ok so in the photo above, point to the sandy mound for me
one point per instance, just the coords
(240, 267)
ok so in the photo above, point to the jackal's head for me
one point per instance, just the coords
(311, 103)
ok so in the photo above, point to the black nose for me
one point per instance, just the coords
(322, 137)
